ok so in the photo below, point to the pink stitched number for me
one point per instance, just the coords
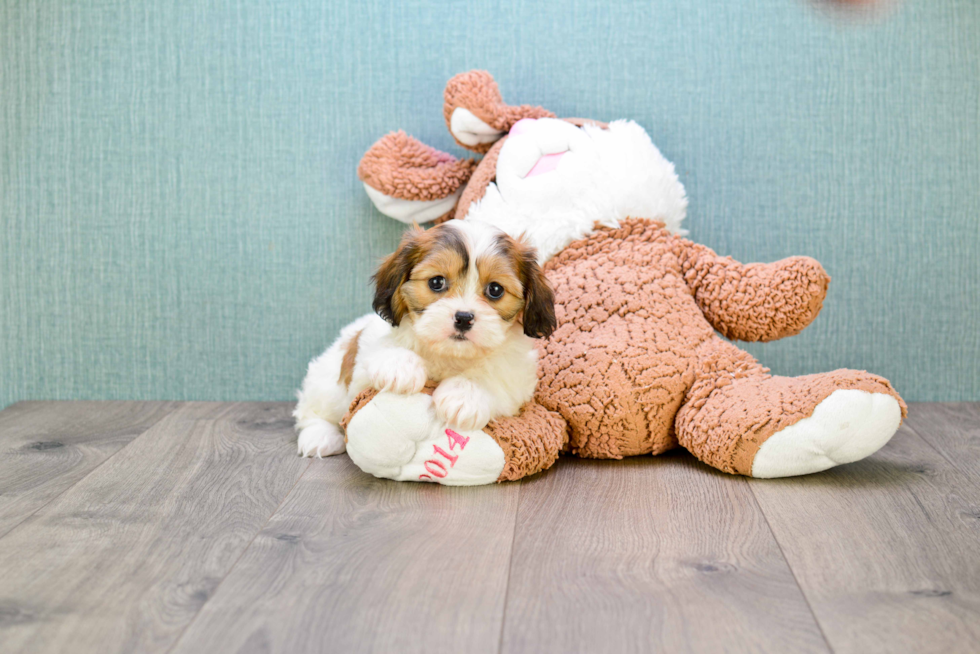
(455, 439)
(452, 458)
(436, 468)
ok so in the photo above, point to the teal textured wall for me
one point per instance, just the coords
(181, 216)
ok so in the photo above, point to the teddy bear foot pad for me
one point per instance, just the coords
(399, 437)
(847, 426)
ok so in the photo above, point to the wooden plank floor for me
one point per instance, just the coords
(194, 527)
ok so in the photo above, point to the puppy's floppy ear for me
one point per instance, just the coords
(392, 273)
(539, 299)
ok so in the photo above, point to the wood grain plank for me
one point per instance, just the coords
(886, 550)
(124, 559)
(351, 563)
(953, 429)
(649, 554)
(46, 447)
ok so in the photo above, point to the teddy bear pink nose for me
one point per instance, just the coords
(521, 126)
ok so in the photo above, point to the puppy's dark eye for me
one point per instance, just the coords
(495, 291)
(438, 284)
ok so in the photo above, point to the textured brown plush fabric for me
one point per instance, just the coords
(477, 91)
(366, 396)
(634, 349)
(405, 168)
(360, 401)
(756, 301)
(623, 357)
(531, 441)
(486, 172)
(727, 416)
(635, 366)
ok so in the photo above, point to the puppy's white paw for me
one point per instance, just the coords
(461, 404)
(321, 439)
(399, 371)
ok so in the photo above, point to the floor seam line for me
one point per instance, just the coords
(796, 580)
(510, 568)
(240, 556)
(932, 447)
(86, 475)
(967, 475)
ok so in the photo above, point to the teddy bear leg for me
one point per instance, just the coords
(740, 419)
(531, 441)
(400, 437)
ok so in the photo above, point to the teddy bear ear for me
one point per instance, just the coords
(410, 181)
(475, 112)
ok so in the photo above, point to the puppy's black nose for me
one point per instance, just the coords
(463, 320)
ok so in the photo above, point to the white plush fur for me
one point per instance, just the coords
(471, 130)
(605, 176)
(847, 426)
(490, 373)
(412, 211)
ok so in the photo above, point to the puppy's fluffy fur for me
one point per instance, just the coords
(458, 304)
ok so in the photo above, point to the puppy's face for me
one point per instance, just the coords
(462, 287)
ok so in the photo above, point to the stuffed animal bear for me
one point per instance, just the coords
(637, 365)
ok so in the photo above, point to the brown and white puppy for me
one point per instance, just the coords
(458, 304)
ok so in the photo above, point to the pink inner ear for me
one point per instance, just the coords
(545, 164)
(521, 126)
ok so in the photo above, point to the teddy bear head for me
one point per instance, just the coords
(547, 178)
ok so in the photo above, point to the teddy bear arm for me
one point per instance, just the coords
(531, 441)
(756, 301)
(526, 443)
